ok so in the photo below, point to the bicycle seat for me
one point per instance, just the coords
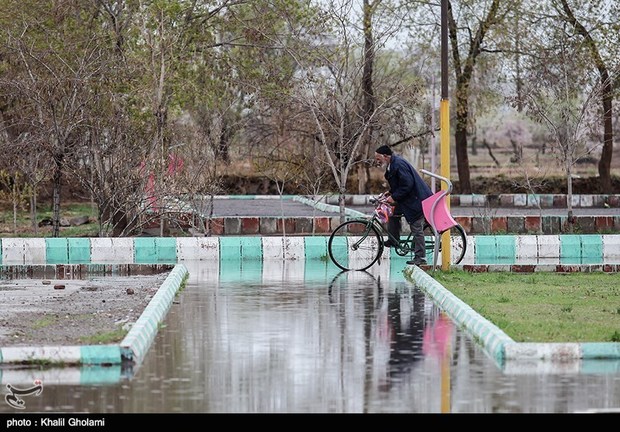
(436, 212)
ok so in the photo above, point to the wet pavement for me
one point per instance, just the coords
(300, 337)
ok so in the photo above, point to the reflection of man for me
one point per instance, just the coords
(401, 322)
(407, 321)
(407, 191)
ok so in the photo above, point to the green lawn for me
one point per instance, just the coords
(23, 224)
(543, 306)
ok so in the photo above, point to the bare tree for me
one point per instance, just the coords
(52, 82)
(566, 106)
(22, 157)
(606, 95)
(329, 89)
(111, 164)
(196, 179)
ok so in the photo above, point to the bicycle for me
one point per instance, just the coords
(359, 243)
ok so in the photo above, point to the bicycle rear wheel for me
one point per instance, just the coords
(355, 245)
(458, 243)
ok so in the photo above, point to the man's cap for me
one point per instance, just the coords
(384, 150)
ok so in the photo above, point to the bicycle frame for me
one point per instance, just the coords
(404, 246)
(373, 221)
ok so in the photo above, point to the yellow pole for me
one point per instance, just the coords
(444, 124)
(445, 380)
(444, 118)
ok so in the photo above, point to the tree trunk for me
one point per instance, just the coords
(56, 181)
(604, 164)
(33, 211)
(362, 179)
(460, 135)
(569, 195)
(224, 142)
(15, 207)
(368, 91)
(119, 223)
(462, 157)
(341, 204)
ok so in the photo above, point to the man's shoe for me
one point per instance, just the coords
(417, 262)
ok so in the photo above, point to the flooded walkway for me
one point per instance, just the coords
(300, 337)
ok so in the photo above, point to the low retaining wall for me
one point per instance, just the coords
(481, 249)
(505, 200)
(539, 224)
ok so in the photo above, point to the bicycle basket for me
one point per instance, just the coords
(384, 211)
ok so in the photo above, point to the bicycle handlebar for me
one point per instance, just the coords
(379, 199)
(437, 176)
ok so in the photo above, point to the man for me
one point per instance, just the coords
(407, 191)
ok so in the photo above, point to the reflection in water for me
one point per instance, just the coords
(400, 327)
(77, 375)
(301, 337)
(396, 319)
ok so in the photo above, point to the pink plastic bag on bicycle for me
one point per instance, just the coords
(384, 211)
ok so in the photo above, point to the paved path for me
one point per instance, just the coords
(275, 207)
(264, 208)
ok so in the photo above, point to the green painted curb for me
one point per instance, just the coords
(600, 350)
(100, 354)
(139, 338)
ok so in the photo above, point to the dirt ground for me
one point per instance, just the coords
(40, 312)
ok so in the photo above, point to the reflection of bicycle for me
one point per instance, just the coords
(363, 279)
(358, 243)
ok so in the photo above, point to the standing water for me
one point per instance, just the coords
(302, 337)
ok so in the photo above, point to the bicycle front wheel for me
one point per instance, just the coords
(355, 245)
(458, 243)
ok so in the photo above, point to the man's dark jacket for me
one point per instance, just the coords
(408, 189)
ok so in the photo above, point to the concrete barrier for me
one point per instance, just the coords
(112, 250)
(139, 338)
(569, 249)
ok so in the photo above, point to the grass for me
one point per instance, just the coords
(44, 322)
(104, 337)
(182, 286)
(543, 307)
(67, 210)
